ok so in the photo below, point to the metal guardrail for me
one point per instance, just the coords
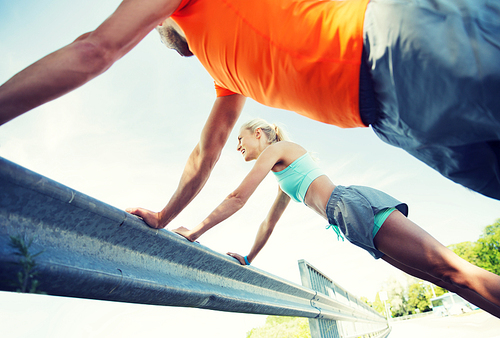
(93, 250)
(369, 324)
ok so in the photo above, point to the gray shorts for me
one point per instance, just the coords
(352, 209)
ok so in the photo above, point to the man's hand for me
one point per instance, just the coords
(150, 218)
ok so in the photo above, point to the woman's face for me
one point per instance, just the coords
(248, 145)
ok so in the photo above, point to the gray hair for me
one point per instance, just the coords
(173, 37)
(273, 132)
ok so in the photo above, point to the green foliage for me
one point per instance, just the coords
(466, 250)
(488, 248)
(406, 299)
(282, 327)
(378, 305)
(484, 253)
(418, 298)
(26, 281)
(420, 294)
(398, 299)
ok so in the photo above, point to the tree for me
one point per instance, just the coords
(488, 248)
(398, 300)
(418, 298)
(420, 294)
(282, 327)
(378, 305)
(484, 253)
(466, 250)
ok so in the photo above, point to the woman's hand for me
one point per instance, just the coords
(149, 217)
(185, 232)
(240, 258)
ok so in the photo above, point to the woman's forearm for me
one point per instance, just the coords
(265, 231)
(266, 228)
(226, 209)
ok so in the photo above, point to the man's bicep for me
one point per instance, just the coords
(225, 112)
(131, 22)
(227, 109)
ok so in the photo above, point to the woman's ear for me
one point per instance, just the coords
(258, 133)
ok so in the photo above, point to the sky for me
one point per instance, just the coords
(124, 138)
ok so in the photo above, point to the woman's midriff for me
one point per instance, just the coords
(318, 194)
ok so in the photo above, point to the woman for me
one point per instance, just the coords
(367, 217)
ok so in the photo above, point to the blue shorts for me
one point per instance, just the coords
(353, 208)
(435, 67)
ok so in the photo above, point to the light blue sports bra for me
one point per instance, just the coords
(295, 179)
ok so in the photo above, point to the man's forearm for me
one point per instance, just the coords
(193, 179)
(202, 160)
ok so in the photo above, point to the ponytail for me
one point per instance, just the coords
(273, 132)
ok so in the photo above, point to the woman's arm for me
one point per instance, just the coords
(266, 228)
(237, 199)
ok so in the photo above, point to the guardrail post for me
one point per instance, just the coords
(321, 327)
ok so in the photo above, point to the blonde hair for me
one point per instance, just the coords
(273, 132)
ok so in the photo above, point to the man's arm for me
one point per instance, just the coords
(202, 160)
(88, 56)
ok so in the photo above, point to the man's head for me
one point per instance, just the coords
(173, 37)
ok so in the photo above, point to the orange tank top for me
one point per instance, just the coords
(298, 55)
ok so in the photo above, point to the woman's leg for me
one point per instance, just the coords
(411, 249)
(467, 294)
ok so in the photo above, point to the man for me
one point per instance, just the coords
(306, 56)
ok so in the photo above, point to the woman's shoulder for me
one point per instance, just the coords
(287, 145)
(286, 152)
(287, 149)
